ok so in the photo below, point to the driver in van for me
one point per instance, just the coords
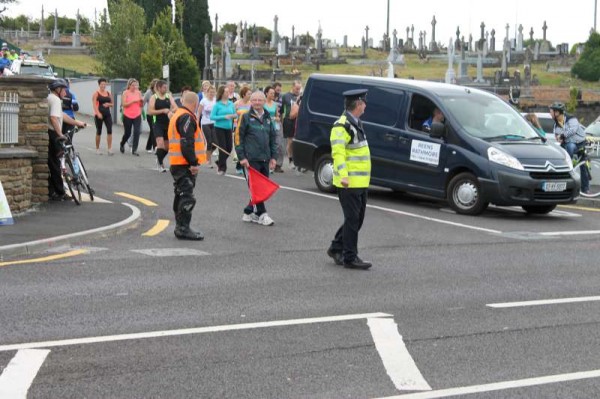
(437, 116)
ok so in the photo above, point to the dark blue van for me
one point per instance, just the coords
(484, 152)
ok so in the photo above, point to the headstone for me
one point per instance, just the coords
(319, 42)
(536, 51)
(245, 35)
(493, 40)
(216, 24)
(238, 39)
(395, 39)
(367, 34)
(458, 42)
(462, 65)
(407, 32)
(345, 45)
(42, 30)
(507, 37)
(482, 26)
(531, 34)
(297, 41)
(470, 42)
(76, 35)
(281, 51)
(307, 57)
(254, 53)
(364, 47)
(55, 32)
(520, 39)
(227, 59)
(293, 33)
(433, 44)
(228, 39)
(335, 53)
(370, 44)
(544, 28)
(479, 78)
(424, 40)
(504, 57)
(274, 34)
(450, 76)
(420, 40)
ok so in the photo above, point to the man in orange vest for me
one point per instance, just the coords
(187, 150)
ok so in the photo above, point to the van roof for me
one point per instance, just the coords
(437, 88)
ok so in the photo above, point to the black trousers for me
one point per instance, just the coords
(55, 181)
(107, 120)
(225, 141)
(263, 168)
(151, 142)
(354, 204)
(128, 124)
(183, 186)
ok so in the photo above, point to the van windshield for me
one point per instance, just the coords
(489, 118)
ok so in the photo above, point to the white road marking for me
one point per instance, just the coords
(166, 252)
(188, 331)
(413, 215)
(18, 376)
(398, 363)
(569, 233)
(499, 386)
(543, 302)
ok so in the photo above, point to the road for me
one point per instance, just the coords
(262, 312)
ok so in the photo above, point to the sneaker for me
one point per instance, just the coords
(239, 171)
(110, 153)
(163, 169)
(265, 220)
(221, 172)
(98, 152)
(250, 218)
(150, 151)
(278, 169)
(122, 148)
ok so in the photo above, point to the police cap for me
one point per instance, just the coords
(356, 94)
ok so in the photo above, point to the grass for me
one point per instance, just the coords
(85, 64)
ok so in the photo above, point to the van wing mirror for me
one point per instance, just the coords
(438, 130)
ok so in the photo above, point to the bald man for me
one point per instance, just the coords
(187, 150)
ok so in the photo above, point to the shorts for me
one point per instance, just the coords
(289, 128)
(159, 130)
(209, 135)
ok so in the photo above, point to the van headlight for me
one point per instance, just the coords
(500, 157)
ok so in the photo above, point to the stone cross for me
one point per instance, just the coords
(433, 23)
(493, 40)
(293, 34)
(274, 34)
(520, 38)
(77, 23)
(507, 34)
(482, 26)
(407, 30)
(55, 32)
(367, 34)
(216, 23)
(425, 39)
(245, 35)
(395, 38)
(420, 40)
(544, 28)
(531, 34)
(458, 43)
(41, 33)
(412, 32)
(470, 42)
(450, 76)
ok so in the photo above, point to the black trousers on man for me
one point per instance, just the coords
(354, 204)
(55, 181)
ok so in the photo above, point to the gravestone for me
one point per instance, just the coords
(370, 44)
(433, 45)
(216, 24)
(531, 34)
(520, 39)
(76, 35)
(42, 31)
(307, 56)
(245, 35)
(504, 58)
(293, 33)
(238, 39)
(281, 50)
(458, 42)
(482, 37)
(254, 52)
(493, 40)
(274, 34)
(335, 53)
(450, 76)
(424, 40)
(536, 51)
(545, 46)
(55, 32)
(544, 28)
(420, 40)
(479, 78)
(319, 42)
(297, 41)
(470, 42)
(227, 61)
(462, 65)
(367, 34)
(345, 45)
(395, 39)
(364, 46)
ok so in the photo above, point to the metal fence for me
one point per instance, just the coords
(9, 118)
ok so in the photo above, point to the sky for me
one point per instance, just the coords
(568, 22)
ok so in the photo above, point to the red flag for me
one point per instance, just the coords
(260, 186)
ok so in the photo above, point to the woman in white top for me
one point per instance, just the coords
(208, 126)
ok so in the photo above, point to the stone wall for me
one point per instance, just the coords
(24, 166)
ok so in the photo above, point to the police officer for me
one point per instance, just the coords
(351, 176)
(187, 150)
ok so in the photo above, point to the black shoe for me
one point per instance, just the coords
(135, 153)
(336, 256)
(188, 234)
(122, 148)
(357, 264)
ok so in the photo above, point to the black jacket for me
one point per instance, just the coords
(255, 139)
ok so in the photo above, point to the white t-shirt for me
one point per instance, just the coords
(207, 106)
(55, 109)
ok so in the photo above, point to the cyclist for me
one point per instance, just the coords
(571, 135)
(56, 117)
(69, 106)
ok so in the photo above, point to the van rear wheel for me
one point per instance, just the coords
(464, 194)
(324, 174)
(538, 209)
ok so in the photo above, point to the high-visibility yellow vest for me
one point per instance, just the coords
(175, 155)
(350, 153)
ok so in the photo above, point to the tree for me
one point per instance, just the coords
(68, 25)
(182, 65)
(153, 8)
(122, 42)
(4, 8)
(196, 24)
(588, 66)
(151, 61)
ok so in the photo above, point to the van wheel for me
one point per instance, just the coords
(538, 209)
(464, 195)
(324, 174)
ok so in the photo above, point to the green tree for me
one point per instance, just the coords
(196, 24)
(68, 25)
(152, 8)
(151, 61)
(588, 66)
(122, 42)
(3, 7)
(182, 65)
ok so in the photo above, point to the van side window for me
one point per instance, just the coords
(421, 109)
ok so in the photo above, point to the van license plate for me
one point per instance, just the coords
(554, 186)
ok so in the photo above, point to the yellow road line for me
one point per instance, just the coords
(136, 198)
(158, 228)
(583, 208)
(69, 254)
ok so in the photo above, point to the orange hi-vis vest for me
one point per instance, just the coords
(175, 155)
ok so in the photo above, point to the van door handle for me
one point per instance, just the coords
(390, 137)
(403, 139)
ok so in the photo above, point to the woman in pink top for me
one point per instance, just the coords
(132, 101)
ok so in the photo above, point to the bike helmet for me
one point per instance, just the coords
(558, 106)
(58, 83)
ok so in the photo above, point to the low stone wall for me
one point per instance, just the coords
(24, 166)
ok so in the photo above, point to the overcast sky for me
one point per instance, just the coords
(567, 21)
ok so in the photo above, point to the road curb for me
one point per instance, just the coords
(31, 247)
(588, 202)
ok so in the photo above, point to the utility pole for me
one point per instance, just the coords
(595, 13)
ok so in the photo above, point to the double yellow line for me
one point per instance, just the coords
(160, 226)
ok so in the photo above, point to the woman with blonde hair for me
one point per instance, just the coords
(132, 115)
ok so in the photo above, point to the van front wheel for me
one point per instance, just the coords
(324, 174)
(464, 195)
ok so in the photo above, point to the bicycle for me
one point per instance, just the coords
(582, 159)
(73, 171)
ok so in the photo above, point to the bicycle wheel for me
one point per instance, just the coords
(593, 171)
(83, 176)
(72, 181)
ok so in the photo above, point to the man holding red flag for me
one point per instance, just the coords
(256, 148)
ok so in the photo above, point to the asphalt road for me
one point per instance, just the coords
(253, 311)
